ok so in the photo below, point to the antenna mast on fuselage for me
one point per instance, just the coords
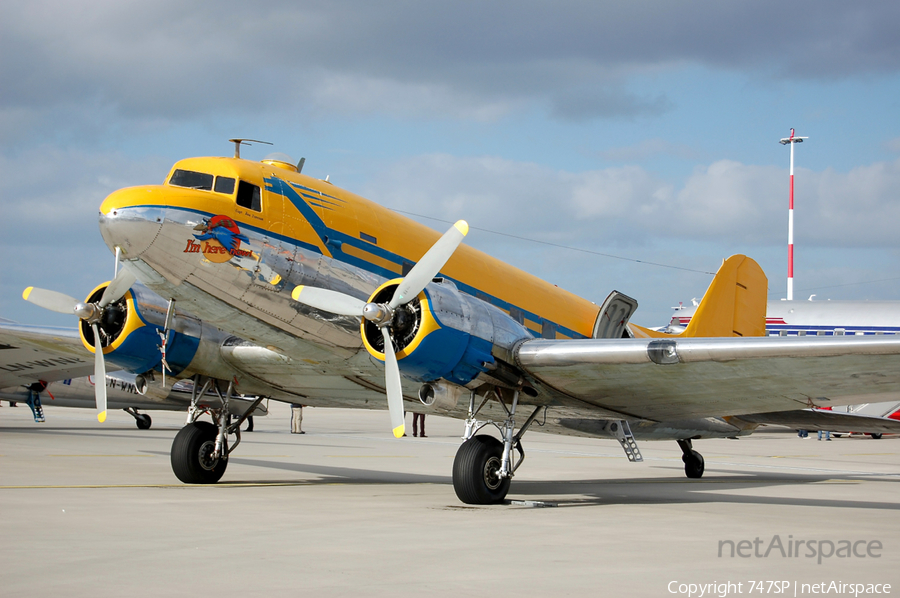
(239, 142)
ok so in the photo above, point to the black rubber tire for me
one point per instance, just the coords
(475, 471)
(143, 421)
(693, 465)
(876, 436)
(190, 455)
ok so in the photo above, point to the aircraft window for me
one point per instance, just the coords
(224, 185)
(248, 196)
(191, 179)
(548, 330)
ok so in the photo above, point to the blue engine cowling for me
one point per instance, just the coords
(129, 331)
(443, 333)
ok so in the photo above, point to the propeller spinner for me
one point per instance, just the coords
(382, 314)
(90, 313)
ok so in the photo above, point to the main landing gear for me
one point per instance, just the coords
(141, 420)
(484, 465)
(200, 450)
(693, 461)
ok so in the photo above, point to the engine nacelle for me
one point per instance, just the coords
(443, 333)
(130, 336)
(440, 395)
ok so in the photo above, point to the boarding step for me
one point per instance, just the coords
(623, 434)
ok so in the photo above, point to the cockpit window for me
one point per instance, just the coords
(248, 196)
(224, 184)
(191, 179)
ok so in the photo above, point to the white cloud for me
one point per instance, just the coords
(649, 148)
(726, 202)
(171, 59)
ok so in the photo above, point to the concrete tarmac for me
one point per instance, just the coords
(94, 510)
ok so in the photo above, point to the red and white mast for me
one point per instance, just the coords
(790, 280)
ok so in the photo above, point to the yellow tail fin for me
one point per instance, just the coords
(734, 303)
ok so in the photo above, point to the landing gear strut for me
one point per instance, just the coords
(693, 461)
(200, 450)
(484, 466)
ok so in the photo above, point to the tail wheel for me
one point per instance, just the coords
(143, 421)
(192, 450)
(693, 465)
(476, 471)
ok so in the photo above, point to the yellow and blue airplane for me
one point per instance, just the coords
(322, 297)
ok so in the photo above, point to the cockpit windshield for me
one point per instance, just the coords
(191, 179)
(201, 180)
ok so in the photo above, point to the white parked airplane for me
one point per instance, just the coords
(817, 318)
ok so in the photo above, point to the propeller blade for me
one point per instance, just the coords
(430, 265)
(99, 376)
(330, 301)
(52, 300)
(118, 287)
(392, 384)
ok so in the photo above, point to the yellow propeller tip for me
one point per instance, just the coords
(462, 226)
(27, 292)
(399, 431)
(295, 294)
(101, 417)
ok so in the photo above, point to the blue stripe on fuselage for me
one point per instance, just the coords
(335, 239)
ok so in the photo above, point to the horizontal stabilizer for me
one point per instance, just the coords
(826, 421)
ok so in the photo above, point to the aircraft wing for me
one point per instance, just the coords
(30, 354)
(826, 421)
(663, 379)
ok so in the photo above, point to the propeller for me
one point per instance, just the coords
(90, 313)
(382, 314)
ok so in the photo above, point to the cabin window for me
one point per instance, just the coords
(248, 196)
(548, 330)
(516, 314)
(224, 185)
(191, 179)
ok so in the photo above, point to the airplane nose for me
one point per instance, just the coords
(130, 220)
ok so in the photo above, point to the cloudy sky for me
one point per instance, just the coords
(629, 145)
